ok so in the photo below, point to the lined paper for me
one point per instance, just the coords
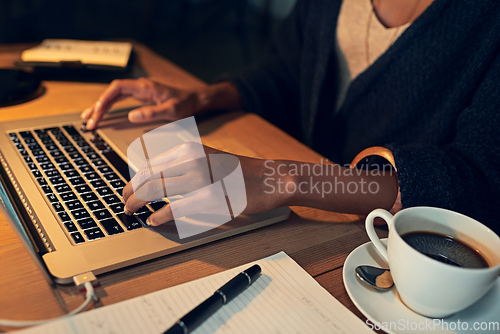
(284, 299)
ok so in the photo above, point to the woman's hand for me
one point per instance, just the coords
(268, 184)
(162, 102)
(185, 170)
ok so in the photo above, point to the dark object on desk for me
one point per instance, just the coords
(220, 297)
(18, 87)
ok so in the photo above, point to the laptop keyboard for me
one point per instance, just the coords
(82, 181)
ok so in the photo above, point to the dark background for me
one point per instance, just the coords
(206, 37)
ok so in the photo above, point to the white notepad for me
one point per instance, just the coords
(101, 53)
(284, 299)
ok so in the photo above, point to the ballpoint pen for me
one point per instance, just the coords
(209, 306)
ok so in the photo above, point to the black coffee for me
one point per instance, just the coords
(445, 249)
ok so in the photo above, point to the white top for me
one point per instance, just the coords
(357, 28)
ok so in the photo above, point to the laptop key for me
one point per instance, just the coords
(118, 184)
(86, 169)
(88, 197)
(64, 216)
(80, 214)
(104, 191)
(83, 189)
(143, 217)
(46, 189)
(105, 169)
(98, 162)
(51, 146)
(56, 180)
(112, 177)
(92, 176)
(111, 226)
(58, 207)
(69, 196)
(70, 226)
(52, 198)
(42, 181)
(157, 205)
(130, 222)
(36, 153)
(98, 184)
(86, 223)
(142, 209)
(74, 205)
(70, 129)
(87, 149)
(102, 214)
(118, 163)
(95, 205)
(76, 156)
(94, 233)
(77, 237)
(117, 208)
(53, 173)
(77, 181)
(56, 153)
(82, 144)
(111, 199)
(71, 173)
(93, 156)
(36, 173)
(66, 167)
(62, 188)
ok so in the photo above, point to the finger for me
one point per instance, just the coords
(118, 89)
(152, 113)
(149, 192)
(86, 113)
(162, 216)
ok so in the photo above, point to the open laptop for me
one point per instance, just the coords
(65, 188)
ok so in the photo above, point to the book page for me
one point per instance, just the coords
(284, 299)
(87, 52)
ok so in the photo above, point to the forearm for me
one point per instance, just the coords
(331, 187)
(219, 96)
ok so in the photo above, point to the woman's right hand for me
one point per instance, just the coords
(162, 102)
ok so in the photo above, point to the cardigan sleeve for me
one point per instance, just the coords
(463, 175)
(271, 88)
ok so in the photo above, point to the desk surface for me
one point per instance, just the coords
(318, 240)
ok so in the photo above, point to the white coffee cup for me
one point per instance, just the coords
(428, 286)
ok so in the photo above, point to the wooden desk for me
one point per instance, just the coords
(319, 241)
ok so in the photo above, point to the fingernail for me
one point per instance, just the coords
(127, 211)
(85, 114)
(148, 222)
(90, 124)
(135, 116)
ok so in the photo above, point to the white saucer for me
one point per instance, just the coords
(386, 311)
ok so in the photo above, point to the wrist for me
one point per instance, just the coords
(219, 96)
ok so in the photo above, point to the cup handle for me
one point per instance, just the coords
(385, 215)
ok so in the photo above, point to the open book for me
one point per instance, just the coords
(284, 299)
(57, 52)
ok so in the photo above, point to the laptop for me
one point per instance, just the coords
(64, 188)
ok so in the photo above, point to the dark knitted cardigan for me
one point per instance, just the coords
(433, 99)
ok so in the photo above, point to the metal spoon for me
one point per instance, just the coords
(378, 278)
